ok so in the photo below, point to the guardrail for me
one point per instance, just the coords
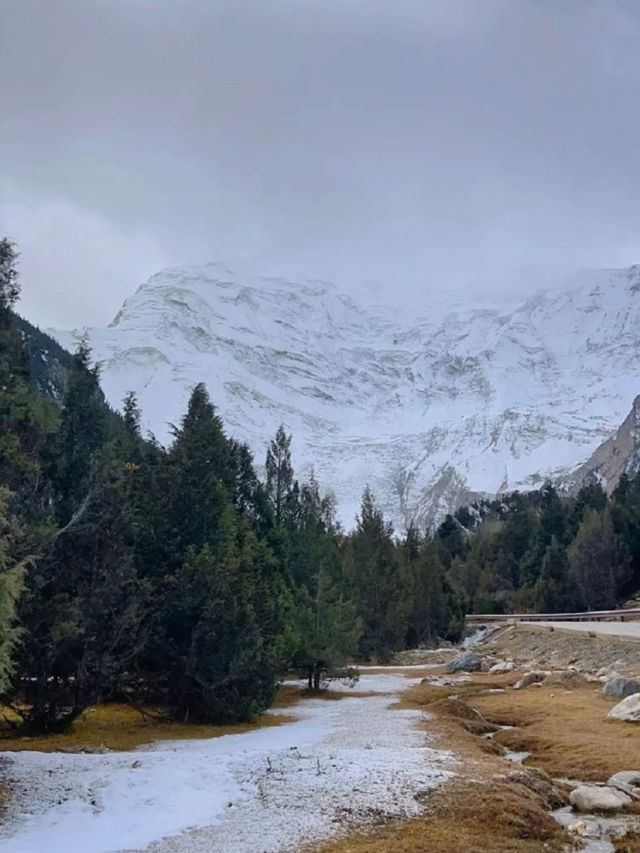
(588, 616)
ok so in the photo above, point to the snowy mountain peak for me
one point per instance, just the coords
(428, 408)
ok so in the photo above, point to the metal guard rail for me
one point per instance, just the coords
(588, 616)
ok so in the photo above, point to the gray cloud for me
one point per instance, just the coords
(431, 145)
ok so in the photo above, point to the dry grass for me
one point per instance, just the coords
(504, 816)
(567, 731)
(630, 844)
(290, 695)
(121, 727)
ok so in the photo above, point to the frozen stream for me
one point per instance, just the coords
(342, 763)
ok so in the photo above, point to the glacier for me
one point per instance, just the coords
(429, 408)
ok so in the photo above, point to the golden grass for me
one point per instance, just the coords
(567, 731)
(121, 728)
(290, 695)
(504, 816)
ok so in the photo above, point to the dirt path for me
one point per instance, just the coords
(342, 764)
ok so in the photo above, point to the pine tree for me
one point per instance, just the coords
(330, 629)
(224, 629)
(12, 575)
(83, 430)
(201, 478)
(280, 475)
(131, 414)
(597, 563)
(552, 593)
(379, 582)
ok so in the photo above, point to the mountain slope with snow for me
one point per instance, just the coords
(429, 410)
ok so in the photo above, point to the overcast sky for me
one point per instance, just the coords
(431, 145)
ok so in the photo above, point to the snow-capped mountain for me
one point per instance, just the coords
(428, 411)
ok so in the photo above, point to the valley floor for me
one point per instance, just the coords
(349, 762)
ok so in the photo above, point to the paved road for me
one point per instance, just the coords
(619, 630)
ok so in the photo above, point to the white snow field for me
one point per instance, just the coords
(342, 763)
(430, 407)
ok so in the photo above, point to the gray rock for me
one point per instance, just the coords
(628, 709)
(469, 662)
(502, 666)
(589, 798)
(627, 781)
(619, 687)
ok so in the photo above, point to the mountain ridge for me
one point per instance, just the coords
(430, 411)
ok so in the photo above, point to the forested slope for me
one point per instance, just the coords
(174, 576)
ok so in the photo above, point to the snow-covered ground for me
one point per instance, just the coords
(341, 763)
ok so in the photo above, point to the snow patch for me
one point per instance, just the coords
(343, 763)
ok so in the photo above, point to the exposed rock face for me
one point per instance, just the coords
(432, 408)
(628, 709)
(620, 688)
(589, 798)
(618, 455)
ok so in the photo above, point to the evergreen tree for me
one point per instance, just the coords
(597, 563)
(280, 476)
(223, 632)
(329, 628)
(12, 573)
(82, 433)
(553, 588)
(379, 582)
(201, 479)
(131, 414)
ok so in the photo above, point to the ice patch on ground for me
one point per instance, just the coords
(343, 763)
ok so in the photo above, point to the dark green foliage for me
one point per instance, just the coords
(12, 573)
(546, 552)
(379, 581)
(280, 484)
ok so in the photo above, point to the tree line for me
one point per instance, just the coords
(547, 552)
(176, 577)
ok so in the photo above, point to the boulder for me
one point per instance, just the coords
(530, 678)
(469, 662)
(628, 709)
(502, 666)
(590, 798)
(619, 687)
(627, 781)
